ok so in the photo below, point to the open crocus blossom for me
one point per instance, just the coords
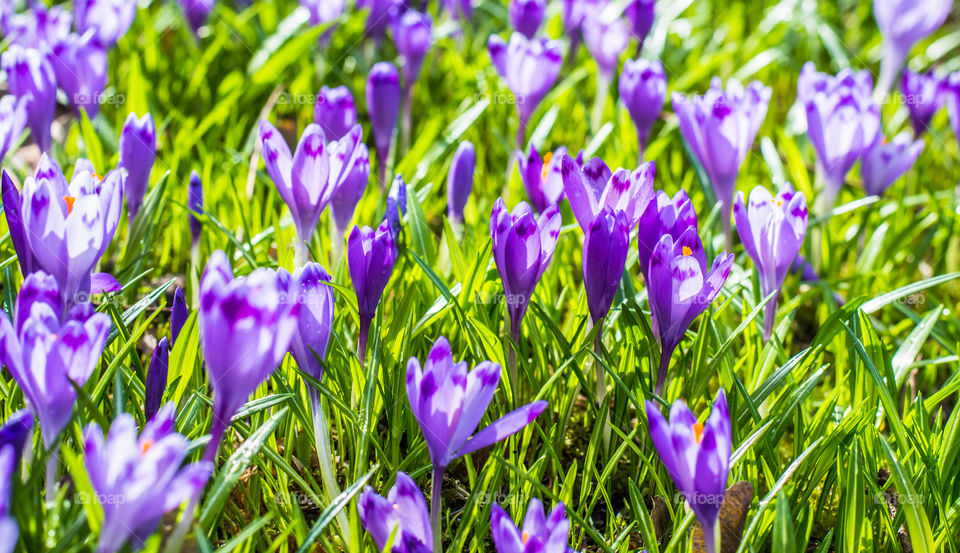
(680, 287)
(592, 187)
(370, 258)
(924, 94)
(30, 73)
(771, 230)
(138, 150)
(109, 19)
(541, 533)
(522, 249)
(605, 248)
(335, 111)
(460, 180)
(527, 15)
(886, 162)
(13, 119)
(48, 355)
(137, 479)
(697, 457)
(541, 177)
(246, 327)
(80, 64)
(643, 87)
(719, 128)
(903, 23)
(401, 514)
(68, 227)
(530, 67)
(309, 288)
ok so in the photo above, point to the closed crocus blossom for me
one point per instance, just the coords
(13, 437)
(886, 162)
(605, 248)
(546, 533)
(348, 194)
(522, 248)
(108, 19)
(413, 35)
(195, 205)
(310, 287)
(903, 23)
(924, 94)
(322, 11)
(527, 15)
(719, 128)
(156, 381)
(246, 326)
(401, 514)
(370, 257)
(383, 106)
(13, 119)
(396, 205)
(573, 12)
(606, 38)
(48, 355)
(680, 287)
(592, 187)
(68, 227)
(138, 150)
(530, 67)
(643, 88)
(697, 457)
(138, 479)
(640, 14)
(335, 112)
(30, 73)
(771, 230)
(13, 211)
(178, 315)
(196, 12)
(378, 17)
(460, 180)
(80, 64)
(542, 177)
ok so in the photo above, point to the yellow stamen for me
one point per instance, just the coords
(778, 202)
(687, 250)
(146, 446)
(396, 507)
(698, 431)
(546, 165)
(69, 200)
(526, 537)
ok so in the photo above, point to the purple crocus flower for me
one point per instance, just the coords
(195, 205)
(542, 177)
(886, 162)
(530, 67)
(680, 287)
(15, 434)
(379, 15)
(13, 119)
(591, 187)
(640, 14)
(68, 227)
(460, 9)
(156, 382)
(383, 106)
(335, 111)
(196, 12)
(697, 457)
(13, 438)
(370, 257)
(527, 15)
(606, 39)
(573, 12)
(643, 87)
(322, 11)
(924, 94)
(138, 150)
(138, 479)
(178, 315)
(546, 533)
(605, 248)
(951, 85)
(47, 355)
(401, 514)
(522, 249)
(310, 287)
(348, 194)
(246, 327)
(13, 211)
(719, 128)
(30, 73)
(460, 180)
(38, 27)
(80, 64)
(771, 230)
(109, 19)
(396, 205)
(903, 23)
(412, 34)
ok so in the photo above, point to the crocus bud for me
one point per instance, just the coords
(530, 67)
(605, 248)
(396, 205)
(335, 112)
(522, 249)
(448, 402)
(951, 85)
(541, 177)
(370, 257)
(640, 14)
(153, 482)
(178, 315)
(460, 180)
(402, 515)
(592, 187)
(156, 382)
(924, 95)
(903, 23)
(30, 72)
(13, 119)
(378, 17)
(138, 150)
(527, 15)
(347, 195)
(322, 11)
(606, 40)
(310, 288)
(886, 162)
(643, 87)
(16, 430)
(412, 34)
(541, 532)
(771, 230)
(383, 105)
(697, 457)
(80, 64)
(109, 19)
(573, 14)
(196, 12)
(195, 205)
(13, 211)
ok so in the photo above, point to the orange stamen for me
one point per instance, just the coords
(546, 163)
(698, 431)
(687, 250)
(69, 200)
(146, 446)
(526, 537)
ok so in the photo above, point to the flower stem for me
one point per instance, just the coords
(711, 538)
(301, 254)
(321, 434)
(727, 226)
(52, 477)
(662, 373)
(407, 122)
(599, 101)
(435, 508)
(512, 361)
(362, 339)
(770, 317)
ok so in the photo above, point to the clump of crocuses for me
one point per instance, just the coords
(697, 457)
(370, 257)
(771, 230)
(545, 533)
(530, 67)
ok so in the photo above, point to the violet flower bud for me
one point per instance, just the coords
(542, 177)
(80, 64)
(540, 532)
(924, 95)
(903, 23)
(379, 15)
(15, 434)
(573, 14)
(527, 15)
(156, 383)
(530, 67)
(396, 205)
(771, 230)
(109, 19)
(886, 162)
(402, 514)
(592, 187)
(310, 288)
(13, 211)
(138, 151)
(178, 315)
(383, 106)
(605, 248)
(370, 258)
(643, 87)
(30, 73)
(335, 111)
(951, 85)
(13, 119)
(348, 194)
(460, 180)
(195, 205)
(459, 9)
(640, 14)
(606, 40)
(196, 12)
(13, 438)
(413, 35)
(322, 11)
